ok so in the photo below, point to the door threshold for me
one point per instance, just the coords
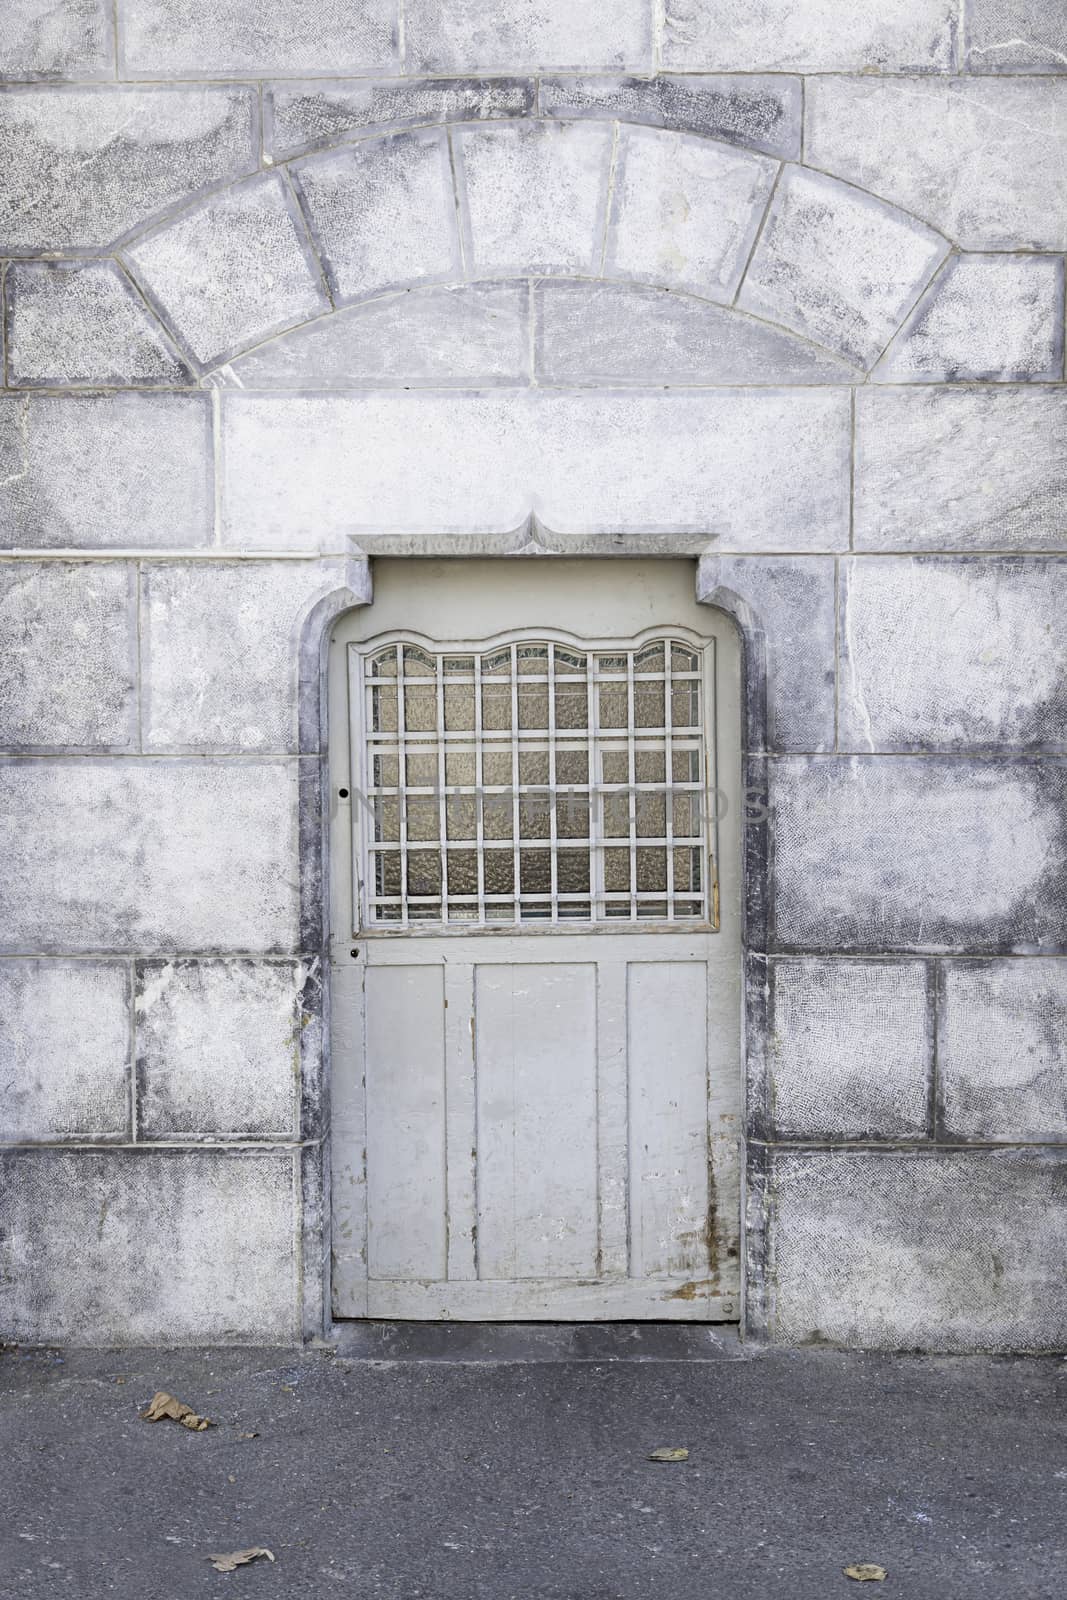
(498, 1342)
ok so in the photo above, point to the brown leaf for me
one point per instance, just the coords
(669, 1455)
(163, 1405)
(866, 1572)
(238, 1558)
(248, 1435)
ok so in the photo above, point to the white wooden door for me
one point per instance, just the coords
(536, 1051)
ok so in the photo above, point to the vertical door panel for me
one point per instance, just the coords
(405, 1069)
(536, 1073)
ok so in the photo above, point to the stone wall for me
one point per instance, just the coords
(777, 280)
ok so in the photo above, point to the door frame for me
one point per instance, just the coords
(318, 803)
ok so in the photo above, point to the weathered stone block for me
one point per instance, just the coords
(838, 266)
(532, 196)
(442, 337)
(80, 168)
(383, 213)
(218, 1049)
(987, 317)
(308, 116)
(1002, 1037)
(816, 36)
(68, 644)
(92, 471)
(470, 463)
(158, 855)
(788, 609)
(849, 1050)
(170, 39)
(233, 271)
(43, 39)
(65, 1046)
(950, 652)
(142, 1247)
(220, 651)
(917, 1249)
(964, 469)
(984, 160)
(685, 211)
(918, 853)
(468, 36)
(630, 333)
(74, 327)
(1015, 36)
(756, 113)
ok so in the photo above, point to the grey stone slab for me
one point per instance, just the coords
(943, 652)
(92, 471)
(134, 1246)
(788, 608)
(994, 318)
(918, 1250)
(65, 1048)
(685, 211)
(68, 673)
(478, 463)
(234, 270)
(1015, 36)
(57, 39)
(963, 469)
(838, 266)
(753, 112)
(219, 649)
(849, 1050)
(620, 333)
(923, 853)
(532, 196)
(383, 213)
(440, 337)
(1002, 1039)
(170, 39)
(983, 159)
(468, 36)
(218, 1049)
(812, 36)
(81, 168)
(299, 117)
(74, 327)
(130, 855)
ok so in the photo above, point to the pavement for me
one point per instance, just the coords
(513, 1464)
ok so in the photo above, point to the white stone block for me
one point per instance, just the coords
(943, 652)
(985, 317)
(68, 645)
(218, 1049)
(81, 326)
(229, 38)
(532, 196)
(961, 469)
(1002, 1044)
(299, 117)
(65, 1050)
(809, 36)
(312, 472)
(447, 36)
(233, 271)
(757, 113)
(383, 213)
(81, 168)
(685, 211)
(149, 855)
(837, 266)
(41, 39)
(1016, 36)
(149, 1247)
(983, 159)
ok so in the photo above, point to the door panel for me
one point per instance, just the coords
(535, 1116)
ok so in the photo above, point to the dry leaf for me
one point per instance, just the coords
(248, 1435)
(165, 1405)
(866, 1572)
(669, 1455)
(238, 1558)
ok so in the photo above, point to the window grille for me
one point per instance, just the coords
(534, 782)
